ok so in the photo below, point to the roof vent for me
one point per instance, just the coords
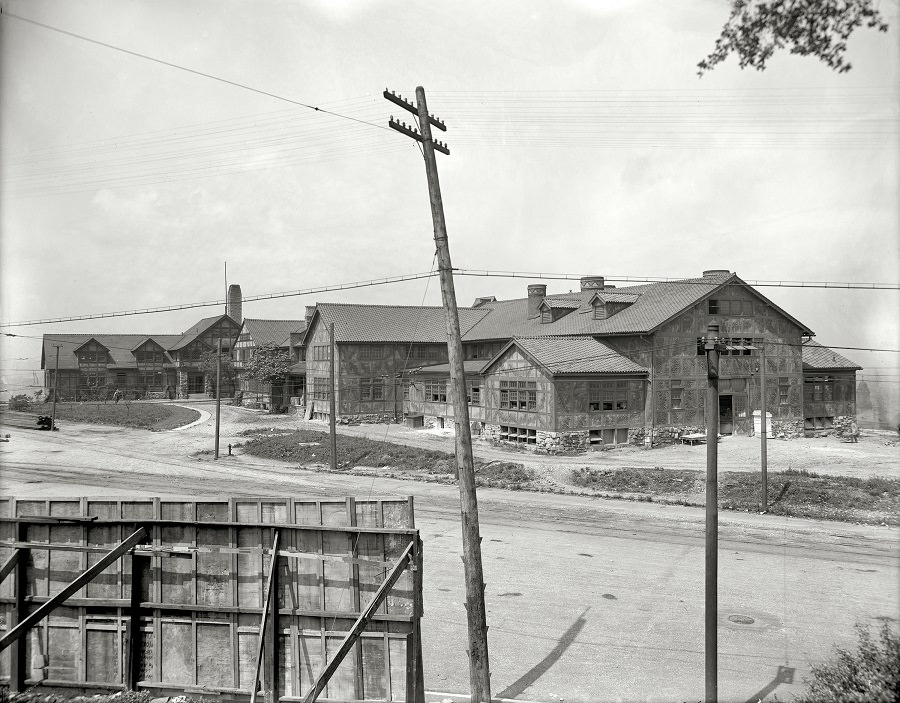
(484, 301)
(715, 272)
(592, 283)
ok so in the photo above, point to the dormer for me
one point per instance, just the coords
(92, 353)
(552, 309)
(606, 304)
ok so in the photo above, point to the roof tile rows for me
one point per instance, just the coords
(276, 332)
(393, 323)
(816, 356)
(565, 355)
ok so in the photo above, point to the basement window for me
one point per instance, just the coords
(520, 435)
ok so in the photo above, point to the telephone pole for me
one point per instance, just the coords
(713, 346)
(763, 427)
(218, 391)
(55, 389)
(332, 406)
(479, 669)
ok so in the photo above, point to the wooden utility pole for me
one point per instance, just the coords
(55, 389)
(479, 669)
(332, 417)
(763, 429)
(712, 347)
(218, 392)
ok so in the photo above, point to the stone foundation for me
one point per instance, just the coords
(841, 426)
(786, 429)
(367, 419)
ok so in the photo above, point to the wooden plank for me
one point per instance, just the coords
(359, 625)
(262, 625)
(74, 586)
(134, 645)
(18, 654)
(10, 563)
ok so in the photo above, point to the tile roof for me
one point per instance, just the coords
(274, 331)
(816, 356)
(393, 323)
(120, 347)
(195, 331)
(655, 304)
(570, 354)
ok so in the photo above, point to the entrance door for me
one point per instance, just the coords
(195, 383)
(726, 414)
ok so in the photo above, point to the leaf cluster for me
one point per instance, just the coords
(871, 674)
(819, 28)
(268, 363)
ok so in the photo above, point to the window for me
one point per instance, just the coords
(152, 380)
(428, 353)
(818, 423)
(405, 390)
(320, 353)
(677, 393)
(609, 436)
(473, 392)
(739, 346)
(605, 396)
(784, 388)
(436, 391)
(321, 389)
(518, 395)
(518, 434)
(371, 351)
(371, 389)
(819, 389)
(732, 308)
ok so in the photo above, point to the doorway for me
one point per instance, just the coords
(726, 414)
(195, 383)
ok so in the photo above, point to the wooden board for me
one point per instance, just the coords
(202, 577)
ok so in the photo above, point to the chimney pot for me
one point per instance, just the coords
(592, 283)
(536, 294)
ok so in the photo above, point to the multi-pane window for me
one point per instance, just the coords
(518, 395)
(371, 351)
(604, 396)
(518, 434)
(436, 391)
(320, 353)
(93, 380)
(371, 389)
(152, 380)
(473, 392)
(431, 352)
(677, 394)
(820, 389)
(733, 346)
(784, 388)
(321, 389)
(733, 308)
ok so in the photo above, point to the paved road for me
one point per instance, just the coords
(588, 600)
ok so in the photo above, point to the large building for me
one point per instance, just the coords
(599, 366)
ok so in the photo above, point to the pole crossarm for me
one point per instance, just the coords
(410, 107)
(74, 586)
(360, 625)
(411, 131)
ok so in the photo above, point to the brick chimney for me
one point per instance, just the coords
(310, 311)
(234, 303)
(536, 294)
(592, 283)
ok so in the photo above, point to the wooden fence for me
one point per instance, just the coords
(187, 608)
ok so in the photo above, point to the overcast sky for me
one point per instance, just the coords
(582, 142)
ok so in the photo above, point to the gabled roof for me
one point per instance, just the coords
(120, 348)
(816, 356)
(614, 297)
(392, 323)
(571, 355)
(471, 367)
(272, 331)
(656, 304)
(197, 330)
(88, 340)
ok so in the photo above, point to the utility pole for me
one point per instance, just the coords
(479, 669)
(712, 347)
(763, 429)
(218, 391)
(332, 419)
(55, 389)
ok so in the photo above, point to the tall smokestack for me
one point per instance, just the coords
(233, 304)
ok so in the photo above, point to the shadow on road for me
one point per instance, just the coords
(785, 674)
(539, 669)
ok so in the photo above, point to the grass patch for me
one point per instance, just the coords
(656, 481)
(795, 493)
(146, 416)
(308, 447)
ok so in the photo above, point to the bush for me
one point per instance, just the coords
(869, 675)
(20, 403)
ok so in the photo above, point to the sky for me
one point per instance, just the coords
(146, 143)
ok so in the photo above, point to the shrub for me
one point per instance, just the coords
(871, 674)
(20, 403)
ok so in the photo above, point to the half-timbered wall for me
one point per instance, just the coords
(509, 406)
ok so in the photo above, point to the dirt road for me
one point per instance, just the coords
(588, 600)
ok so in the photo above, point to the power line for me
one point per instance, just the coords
(460, 272)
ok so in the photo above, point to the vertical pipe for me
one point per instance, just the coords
(712, 513)
(55, 389)
(218, 391)
(763, 428)
(332, 422)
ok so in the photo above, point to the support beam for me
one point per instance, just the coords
(9, 564)
(359, 625)
(88, 576)
(270, 680)
(140, 565)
